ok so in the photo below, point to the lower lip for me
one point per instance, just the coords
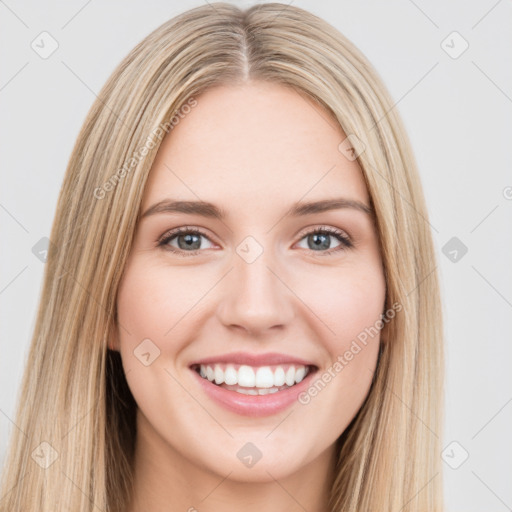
(254, 405)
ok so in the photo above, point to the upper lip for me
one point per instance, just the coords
(245, 358)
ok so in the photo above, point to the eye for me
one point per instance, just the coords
(318, 239)
(187, 238)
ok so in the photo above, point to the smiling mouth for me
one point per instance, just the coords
(250, 380)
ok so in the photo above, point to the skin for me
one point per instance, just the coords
(253, 150)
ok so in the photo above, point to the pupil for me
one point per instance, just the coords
(189, 241)
(318, 243)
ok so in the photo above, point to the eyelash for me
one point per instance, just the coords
(324, 230)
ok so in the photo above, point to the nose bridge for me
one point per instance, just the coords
(255, 297)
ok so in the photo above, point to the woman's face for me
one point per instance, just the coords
(255, 292)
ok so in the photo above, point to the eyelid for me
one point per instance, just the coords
(323, 228)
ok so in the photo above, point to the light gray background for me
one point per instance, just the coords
(456, 110)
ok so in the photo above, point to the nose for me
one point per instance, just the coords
(255, 297)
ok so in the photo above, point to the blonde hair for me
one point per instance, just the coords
(74, 396)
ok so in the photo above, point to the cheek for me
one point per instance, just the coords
(349, 300)
(153, 305)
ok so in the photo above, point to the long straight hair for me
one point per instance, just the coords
(73, 444)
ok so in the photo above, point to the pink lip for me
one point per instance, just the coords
(254, 405)
(268, 359)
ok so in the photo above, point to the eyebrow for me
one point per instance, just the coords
(210, 210)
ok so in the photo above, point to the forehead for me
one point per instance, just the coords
(254, 144)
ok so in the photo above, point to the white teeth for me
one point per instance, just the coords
(279, 376)
(267, 391)
(246, 377)
(290, 376)
(247, 391)
(264, 377)
(263, 380)
(230, 375)
(300, 374)
(219, 374)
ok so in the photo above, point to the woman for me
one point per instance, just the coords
(199, 343)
